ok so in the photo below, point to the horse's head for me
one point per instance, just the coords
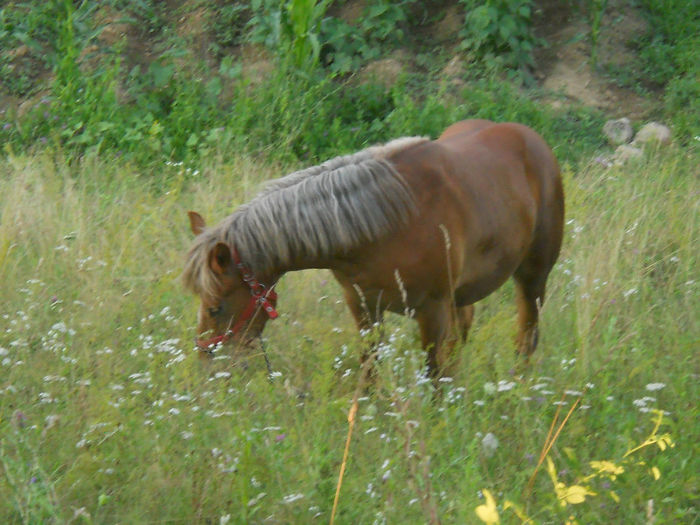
(234, 305)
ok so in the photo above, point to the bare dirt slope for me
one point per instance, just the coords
(564, 66)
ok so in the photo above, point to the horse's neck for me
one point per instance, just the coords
(304, 263)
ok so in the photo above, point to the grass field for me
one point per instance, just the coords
(107, 414)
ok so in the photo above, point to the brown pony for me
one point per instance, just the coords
(415, 226)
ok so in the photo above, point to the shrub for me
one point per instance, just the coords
(500, 30)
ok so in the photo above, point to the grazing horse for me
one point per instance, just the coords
(413, 226)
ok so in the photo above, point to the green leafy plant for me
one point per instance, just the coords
(500, 29)
(229, 23)
(291, 27)
(670, 61)
(597, 11)
(27, 36)
(303, 28)
(348, 45)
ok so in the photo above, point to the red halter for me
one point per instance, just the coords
(259, 298)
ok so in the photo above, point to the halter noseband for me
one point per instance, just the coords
(260, 297)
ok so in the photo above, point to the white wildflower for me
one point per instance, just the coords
(505, 386)
(489, 444)
(292, 498)
(642, 403)
(256, 499)
(652, 387)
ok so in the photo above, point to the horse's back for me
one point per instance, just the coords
(521, 146)
(465, 127)
(501, 138)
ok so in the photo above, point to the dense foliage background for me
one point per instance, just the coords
(175, 80)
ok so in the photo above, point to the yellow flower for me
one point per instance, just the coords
(665, 441)
(573, 495)
(607, 467)
(487, 512)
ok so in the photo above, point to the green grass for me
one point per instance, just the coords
(107, 415)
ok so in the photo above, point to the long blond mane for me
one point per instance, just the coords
(310, 214)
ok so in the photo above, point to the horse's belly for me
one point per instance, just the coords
(478, 288)
(487, 266)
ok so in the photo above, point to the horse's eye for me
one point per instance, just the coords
(214, 311)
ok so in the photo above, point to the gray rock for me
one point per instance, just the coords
(626, 152)
(653, 133)
(618, 131)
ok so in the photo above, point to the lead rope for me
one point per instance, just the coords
(270, 376)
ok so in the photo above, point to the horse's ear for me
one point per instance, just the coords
(220, 258)
(197, 223)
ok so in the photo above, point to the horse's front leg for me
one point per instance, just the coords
(438, 337)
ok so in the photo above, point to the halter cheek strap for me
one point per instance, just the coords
(260, 297)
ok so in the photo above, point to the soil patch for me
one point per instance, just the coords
(564, 66)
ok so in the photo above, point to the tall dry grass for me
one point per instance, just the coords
(107, 415)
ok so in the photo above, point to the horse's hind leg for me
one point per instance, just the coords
(529, 297)
(531, 278)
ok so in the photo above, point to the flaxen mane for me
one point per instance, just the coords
(312, 213)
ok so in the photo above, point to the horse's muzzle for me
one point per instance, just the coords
(212, 342)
